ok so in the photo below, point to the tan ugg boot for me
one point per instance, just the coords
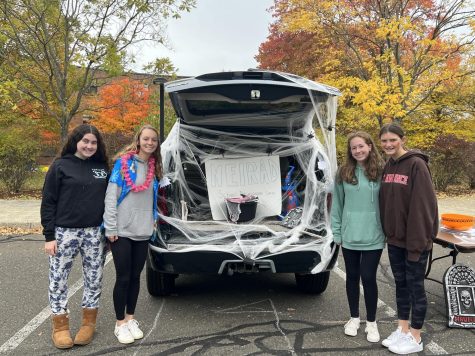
(61, 335)
(88, 327)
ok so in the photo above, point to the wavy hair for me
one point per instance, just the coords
(373, 164)
(135, 147)
(70, 147)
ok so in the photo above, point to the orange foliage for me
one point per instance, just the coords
(121, 106)
(49, 137)
(392, 60)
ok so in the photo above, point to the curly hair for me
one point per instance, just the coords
(135, 147)
(70, 147)
(373, 164)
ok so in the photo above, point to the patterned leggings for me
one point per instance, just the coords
(91, 244)
(410, 292)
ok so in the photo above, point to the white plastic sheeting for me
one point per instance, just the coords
(187, 223)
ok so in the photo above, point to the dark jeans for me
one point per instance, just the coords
(129, 260)
(410, 292)
(362, 265)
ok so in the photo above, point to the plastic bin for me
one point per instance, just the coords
(248, 209)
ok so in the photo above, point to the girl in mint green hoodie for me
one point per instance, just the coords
(357, 228)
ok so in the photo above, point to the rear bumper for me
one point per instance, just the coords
(217, 262)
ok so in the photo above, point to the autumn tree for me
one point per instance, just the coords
(19, 142)
(390, 58)
(120, 106)
(54, 48)
(164, 68)
(293, 52)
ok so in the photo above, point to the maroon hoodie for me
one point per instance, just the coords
(408, 204)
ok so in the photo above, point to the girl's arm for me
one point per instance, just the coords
(422, 217)
(110, 209)
(49, 201)
(110, 202)
(338, 201)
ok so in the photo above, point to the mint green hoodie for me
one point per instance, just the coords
(355, 216)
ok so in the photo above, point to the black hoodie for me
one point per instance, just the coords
(408, 204)
(73, 194)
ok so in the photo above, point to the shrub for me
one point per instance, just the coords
(115, 142)
(18, 152)
(452, 161)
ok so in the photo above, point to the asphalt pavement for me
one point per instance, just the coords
(212, 315)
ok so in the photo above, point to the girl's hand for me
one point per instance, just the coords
(51, 247)
(112, 238)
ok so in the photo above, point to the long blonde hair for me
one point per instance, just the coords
(135, 147)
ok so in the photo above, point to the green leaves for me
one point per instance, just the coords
(56, 49)
(18, 151)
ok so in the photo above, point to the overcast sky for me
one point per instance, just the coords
(217, 35)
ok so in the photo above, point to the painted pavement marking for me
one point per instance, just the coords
(39, 319)
(432, 346)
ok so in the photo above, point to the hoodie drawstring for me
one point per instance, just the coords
(372, 191)
(359, 178)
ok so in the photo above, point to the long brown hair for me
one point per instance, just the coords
(373, 164)
(134, 147)
(70, 147)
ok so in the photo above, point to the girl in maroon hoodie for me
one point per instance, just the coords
(409, 216)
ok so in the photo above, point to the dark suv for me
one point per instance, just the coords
(251, 161)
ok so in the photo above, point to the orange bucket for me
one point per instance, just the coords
(457, 221)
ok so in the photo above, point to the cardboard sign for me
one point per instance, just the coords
(231, 177)
(459, 286)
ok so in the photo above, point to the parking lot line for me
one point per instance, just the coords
(277, 325)
(39, 319)
(34, 323)
(155, 322)
(431, 346)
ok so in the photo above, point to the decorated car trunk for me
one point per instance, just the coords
(250, 161)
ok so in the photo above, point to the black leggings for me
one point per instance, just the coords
(362, 264)
(410, 292)
(129, 259)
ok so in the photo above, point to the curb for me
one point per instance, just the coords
(25, 225)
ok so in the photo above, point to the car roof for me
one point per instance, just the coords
(247, 77)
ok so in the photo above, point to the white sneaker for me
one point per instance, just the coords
(134, 329)
(123, 334)
(406, 344)
(371, 330)
(394, 337)
(352, 326)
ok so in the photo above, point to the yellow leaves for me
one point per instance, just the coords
(393, 28)
(374, 97)
(472, 24)
(300, 20)
(390, 62)
(378, 99)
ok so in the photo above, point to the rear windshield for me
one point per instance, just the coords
(212, 107)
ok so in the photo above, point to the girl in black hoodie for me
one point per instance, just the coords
(409, 216)
(71, 215)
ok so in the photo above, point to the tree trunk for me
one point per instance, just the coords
(64, 130)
